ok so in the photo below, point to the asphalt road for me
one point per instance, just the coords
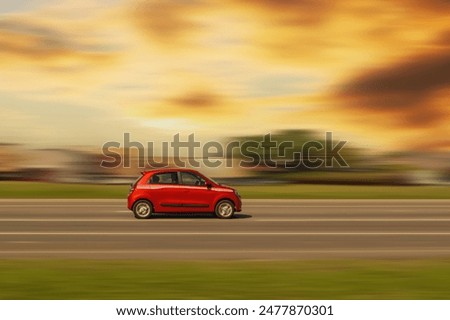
(265, 230)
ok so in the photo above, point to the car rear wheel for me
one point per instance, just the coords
(142, 209)
(224, 209)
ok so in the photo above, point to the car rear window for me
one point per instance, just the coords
(136, 181)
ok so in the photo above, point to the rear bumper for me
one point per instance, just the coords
(130, 202)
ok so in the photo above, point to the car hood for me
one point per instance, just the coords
(223, 186)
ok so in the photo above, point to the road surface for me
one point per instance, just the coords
(264, 230)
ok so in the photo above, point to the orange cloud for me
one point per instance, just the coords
(405, 92)
(339, 36)
(440, 7)
(197, 100)
(166, 23)
(195, 104)
(25, 40)
(292, 13)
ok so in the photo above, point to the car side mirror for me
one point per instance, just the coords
(209, 186)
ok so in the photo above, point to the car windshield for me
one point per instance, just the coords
(213, 181)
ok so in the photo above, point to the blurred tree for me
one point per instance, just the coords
(296, 150)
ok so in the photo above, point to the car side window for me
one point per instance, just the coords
(164, 178)
(191, 179)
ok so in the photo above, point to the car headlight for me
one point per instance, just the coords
(237, 193)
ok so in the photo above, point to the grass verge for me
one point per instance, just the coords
(98, 279)
(36, 190)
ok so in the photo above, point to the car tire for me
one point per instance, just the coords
(224, 209)
(142, 209)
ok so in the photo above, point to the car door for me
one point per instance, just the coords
(163, 191)
(196, 196)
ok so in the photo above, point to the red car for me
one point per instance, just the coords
(181, 190)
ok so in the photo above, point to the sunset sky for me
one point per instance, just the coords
(84, 72)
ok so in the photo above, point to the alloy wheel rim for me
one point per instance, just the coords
(143, 209)
(225, 209)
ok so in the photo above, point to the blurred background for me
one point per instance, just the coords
(76, 74)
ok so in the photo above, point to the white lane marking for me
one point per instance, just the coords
(23, 242)
(100, 220)
(369, 206)
(106, 211)
(224, 233)
(327, 251)
(199, 219)
(51, 205)
(65, 200)
(356, 220)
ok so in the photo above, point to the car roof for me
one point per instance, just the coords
(153, 171)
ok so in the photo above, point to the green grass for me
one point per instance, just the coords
(98, 279)
(38, 190)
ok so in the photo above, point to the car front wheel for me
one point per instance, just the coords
(142, 209)
(224, 209)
